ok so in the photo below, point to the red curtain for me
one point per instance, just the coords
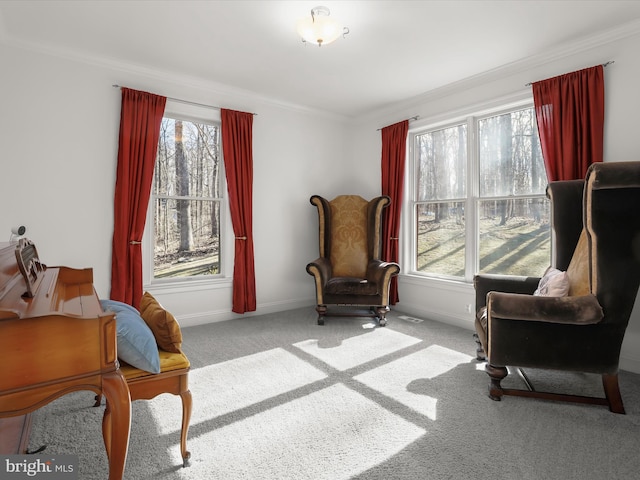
(140, 117)
(237, 132)
(570, 113)
(394, 147)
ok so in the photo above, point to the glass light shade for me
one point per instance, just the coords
(320, 29)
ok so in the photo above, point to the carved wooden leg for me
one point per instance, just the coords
(106, 429)
(322, 311)
(612, 392)
(480, 355)
(116, 422)
(186, 416)
(382, 314)
(496, 374)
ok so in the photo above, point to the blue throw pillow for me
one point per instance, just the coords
(136, 343)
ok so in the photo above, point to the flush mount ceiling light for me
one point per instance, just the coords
(320, 29)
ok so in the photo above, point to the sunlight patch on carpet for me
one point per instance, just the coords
(407, 379)
(228, 386)
(355, 351)
(332, 434)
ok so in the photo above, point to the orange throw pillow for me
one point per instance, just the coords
(163, 324)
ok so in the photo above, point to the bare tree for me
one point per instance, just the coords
(507, 164)
(182, 189)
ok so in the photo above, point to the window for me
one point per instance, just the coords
(186, 200)
(479, 201)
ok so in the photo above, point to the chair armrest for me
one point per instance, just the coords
(577, 310)
(486, 283)
(320, 267)
(381, 272)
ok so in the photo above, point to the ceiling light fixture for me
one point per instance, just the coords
(320, 29)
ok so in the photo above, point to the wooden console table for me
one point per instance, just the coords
(55, 339)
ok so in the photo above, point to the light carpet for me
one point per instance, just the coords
(279, 397)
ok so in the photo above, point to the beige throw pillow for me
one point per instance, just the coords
(554, 283)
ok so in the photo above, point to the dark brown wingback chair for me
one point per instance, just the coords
(596, 240)
(349, 271)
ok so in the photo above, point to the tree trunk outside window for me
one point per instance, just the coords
(182, 188)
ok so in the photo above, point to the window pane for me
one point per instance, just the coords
(510, 155)
(442, 160)
(188, 159)
(187, 240)
(514, 236)
(441, 237)
(186, 224)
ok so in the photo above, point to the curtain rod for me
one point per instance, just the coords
(604, 65)
(415, 117)
(188, 102)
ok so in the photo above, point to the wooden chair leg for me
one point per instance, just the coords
(612, 392)
(381, 313)
(480, 355)
(322, 311)
(496, 374)
(106, 427)
(186, 417)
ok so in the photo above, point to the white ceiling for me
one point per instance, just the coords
(395, 50)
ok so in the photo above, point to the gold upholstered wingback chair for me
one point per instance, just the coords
(349, 270)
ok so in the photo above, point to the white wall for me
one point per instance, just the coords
(59, 127)
(448, 301)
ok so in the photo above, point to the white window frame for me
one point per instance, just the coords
(409, 245)
(200, 114)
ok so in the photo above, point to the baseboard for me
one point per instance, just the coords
(213, 316)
